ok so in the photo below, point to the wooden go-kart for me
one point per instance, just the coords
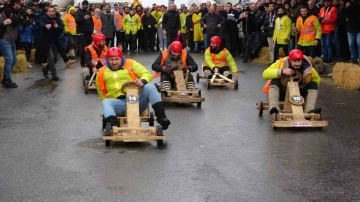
(90, 85)
(180, 94)
(130, 129)
(292, 113)
(217, 80)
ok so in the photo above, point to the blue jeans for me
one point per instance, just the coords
(8, 50)
(292, 43)
(116, 107)
(327, 46)
(354, 38)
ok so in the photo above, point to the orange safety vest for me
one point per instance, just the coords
(101, 74)
(97, 24)
(119, 20)
(70, 22)
(268, 83)
(95, 58)
(219, 61)
(307, 29)
(164, 55)
(326, 14)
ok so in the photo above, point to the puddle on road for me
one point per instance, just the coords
(48, 84)
(98, 144)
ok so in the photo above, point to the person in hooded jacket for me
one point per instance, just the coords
(70, 30)
(149, 22)
(171, 24)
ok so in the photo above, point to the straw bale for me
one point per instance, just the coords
(20, 52)
(2, 62)
(346, 75)
(32, 55)
(21, 64)
(264, 55)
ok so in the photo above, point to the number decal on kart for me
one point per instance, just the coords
(296, 100)
(132, 99)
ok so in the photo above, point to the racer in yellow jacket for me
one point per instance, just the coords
(113, 75)
(296, 61)
(219, 60)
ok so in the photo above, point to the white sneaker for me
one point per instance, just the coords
(29, 66)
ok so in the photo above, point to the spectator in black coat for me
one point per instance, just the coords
(352, 12)
(190, 29)
(171, 24)
(148, 22)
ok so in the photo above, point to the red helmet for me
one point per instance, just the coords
(296, 54)
(114, 52)
(97, 38)
(176, 46)
(217, 40)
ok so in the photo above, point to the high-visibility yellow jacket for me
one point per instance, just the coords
(223, 58)
(183, 22)
(282, 30)
(69, 22)
(109, 82)
(131, 24)
(309, 30)
(274, 71)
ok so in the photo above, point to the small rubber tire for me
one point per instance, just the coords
(236, 86)
(261, 108)
(103, 122)
(86, 87)
(159, 132)
(208, 85)
(107, 133)
(151, 119)
(197, 77)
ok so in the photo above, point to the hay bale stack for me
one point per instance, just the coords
(346, 75)
(264, 55)
(20, 52)
(21, 64)
(318, 64)
(2, 62)
(32, 55)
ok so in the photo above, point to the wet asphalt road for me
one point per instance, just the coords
(51, 147)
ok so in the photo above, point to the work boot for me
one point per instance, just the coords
(69, 63)
(161, 118)
(55, 77)
(7, 83)
(311, 101)
(274, 94)
(113, 120)
(317, 110)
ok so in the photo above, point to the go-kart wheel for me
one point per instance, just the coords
(236, 86)
(275, 117)
(151, 119)
(197, 77)
(208, 85)
(159, 132)
(103, 122)
(83, 81)
(86, 87)
(261, 108)
(198, 104)
(107, 133)
(164, 94)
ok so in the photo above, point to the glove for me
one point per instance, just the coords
(167, 70)
(187, 68)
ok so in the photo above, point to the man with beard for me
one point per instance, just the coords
(219, 60)
(107, 29)
(173, 59)
(282, 32)
(310, 32)
(95, 56)
(295, 62)
(229, 28)
(211, 23)
(84, 29)
(10, 20)
(171, 24)
(51, 27)
(110, 80)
